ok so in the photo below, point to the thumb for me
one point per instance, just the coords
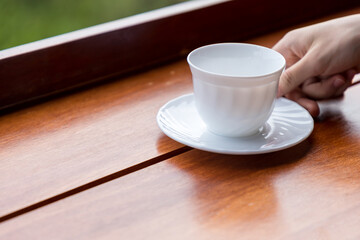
(295, 75)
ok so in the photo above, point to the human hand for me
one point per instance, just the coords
(321, 60)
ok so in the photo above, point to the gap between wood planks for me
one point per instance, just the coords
(96, 182)
(109, 178)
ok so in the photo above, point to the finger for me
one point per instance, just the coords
(324, 88)
(349, 76)
(295, 75)
(332, 86)
(310, 105)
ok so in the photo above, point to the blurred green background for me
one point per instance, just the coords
(23, 21)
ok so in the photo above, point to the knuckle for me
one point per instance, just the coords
(287, 79)
(286, 40)
(292, 35)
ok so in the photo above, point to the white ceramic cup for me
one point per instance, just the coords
(235, 86)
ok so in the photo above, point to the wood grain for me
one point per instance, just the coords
(59, 145)
(310, 191)
(106, 51)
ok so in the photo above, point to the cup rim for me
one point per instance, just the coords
(235, 76)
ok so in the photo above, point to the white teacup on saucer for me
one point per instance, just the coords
(288, 125)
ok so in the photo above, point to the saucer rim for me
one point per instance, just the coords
(227, 151)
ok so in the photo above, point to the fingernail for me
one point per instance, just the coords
(338, 82)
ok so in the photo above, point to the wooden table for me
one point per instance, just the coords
(95, 165)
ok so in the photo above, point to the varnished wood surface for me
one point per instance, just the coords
(57, 146)
(310, 191)
(101, 160)
(57, 64)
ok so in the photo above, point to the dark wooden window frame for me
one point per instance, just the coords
(46, 67)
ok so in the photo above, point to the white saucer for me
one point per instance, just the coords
(288, 125)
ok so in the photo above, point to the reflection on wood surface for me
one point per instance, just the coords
(307, 191)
